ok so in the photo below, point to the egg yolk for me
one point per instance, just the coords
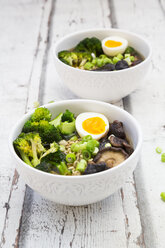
(94, 125)
(112, 43)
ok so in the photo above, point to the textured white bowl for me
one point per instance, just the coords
(81, 190)
(106, 86)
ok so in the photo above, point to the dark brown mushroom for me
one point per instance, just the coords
(115, 141)
(128, 148)
(117, 129)
(122, 143)
(111, 156)
(103, 144)
(95, 167)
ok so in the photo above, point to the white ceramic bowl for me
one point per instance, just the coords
(81, 190)
(106, 86)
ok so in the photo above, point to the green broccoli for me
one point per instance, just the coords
(30, 126)
(30, 148)
(69, 58)
(23, 148)
(55, 157)
(46, 166)
(54, 161)
(68, 116)
(54, 147)
(84, 58)
(74, 59)
(88, 66)
(48, 133)
(41, 114)
(130, 50)
(57, 121)
(67, 128)
(50, 167)
(65, 122)
(91, 45)
(67, 125)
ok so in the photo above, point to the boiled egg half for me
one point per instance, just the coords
(94, 124)
(113, 45)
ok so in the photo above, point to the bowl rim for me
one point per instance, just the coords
(71, 35)
(79, 177)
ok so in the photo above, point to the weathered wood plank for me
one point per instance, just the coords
(23, 52)
(113, 221)
(147, 105)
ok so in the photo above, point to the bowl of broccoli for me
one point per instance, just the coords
(88, 72)
(66, 168)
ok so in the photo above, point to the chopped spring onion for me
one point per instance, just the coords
(163, 157)
(115, 60)
(86, 154)
(86, 138)
(120, 56)
(132, 58)
(74, 138)
(63, 169)
(162, 195)
(81, 166)
(158, 150)
(70, 157)
(91, 144)
(62, 148)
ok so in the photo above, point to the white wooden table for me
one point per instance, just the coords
(134, 216)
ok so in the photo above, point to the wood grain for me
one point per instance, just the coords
(147, 105)
(23, 55)
(112, 221)
(134, 216)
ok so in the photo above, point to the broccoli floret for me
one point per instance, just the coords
(73, 58)
(91, 45)
(53, 148)
(84, 58)
(50, 167)
(48, 132)
(67, 128)
(41, 114)
(55, 157)
(130, 50)
(69, 58)
(57, 121)
(88, 66)
(67, 125)
(65, 122)
(48, 163)
(68, 116)
(23, 148)
(46, 166)
(54, 161)
(29, 147)
(30, 126)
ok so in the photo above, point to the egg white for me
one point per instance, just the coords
(112, 51)
(82, 117)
